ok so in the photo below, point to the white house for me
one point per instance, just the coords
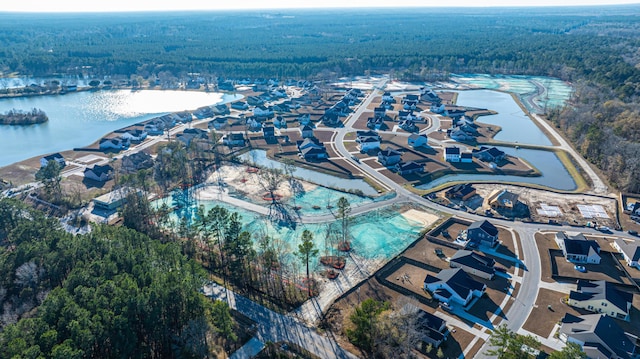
(99, 173)
(601, 297)
(389, 157)
(452, 154)
(44, 161)
(263, 111)
(113, 143)
(630, 251)
(454, 286)
(577, 248)
(134, 135)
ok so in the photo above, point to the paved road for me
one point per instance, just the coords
(275, 327)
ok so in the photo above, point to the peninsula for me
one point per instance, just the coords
(22, 118)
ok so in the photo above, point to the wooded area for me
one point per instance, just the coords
(593, 47)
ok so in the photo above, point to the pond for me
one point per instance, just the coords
(380, 234)
(558, 92)
(516, 125)
(78, 119)
(554, 174)
(260, 158)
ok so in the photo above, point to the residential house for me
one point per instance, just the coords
(483, 232)
(489, 154)
(218, 123)
(502, 200)
(99, 173)
(136, 161)
(601, 297)
(577, 248)
(408, 125)
(154, 127)
(454, 286)
(312, 149)
(454, 112)
(135, 135)
(375, 123)
(459, 135)
(306, 131)
(44, 161)
(263, 111)
(255, 101)
(473, 263)
(427, 94)
(281, 108)
(331, 119)
(461, 192)
(239, 105)
(598, 335)
(386, 97)
(437, 108)
(253, 124)
(416, 140)
(407, 168)
(466, 157)
(367, 140)
(220, 109)
(234, 140)
(304, 119)
(379, 112)
(452, 154)
(389, 157)
(630, 251)
(433, 329)
(184, 116)
(113, 144)
(203, 112)
(112, 200)
(410, 105)
(280, 122)
(402, 115)
(269, 133)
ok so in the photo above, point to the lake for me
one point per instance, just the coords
(554, 174)
(78, 119)
(516, 125)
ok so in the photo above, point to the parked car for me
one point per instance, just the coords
(580, 268)
(633, 233)
(604, 229)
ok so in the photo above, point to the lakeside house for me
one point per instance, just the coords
(473, 263)
(454, 286)
(407, 168)
(218, 123)
(601, 297)
(630, 251)
(598, 335)
(489, 154)
(113, 144)
(44, 161)
(99, 173)
(135, 135)
(461, 192)
(311, 149)
(452, 154)
(577, 248)
(239, 105)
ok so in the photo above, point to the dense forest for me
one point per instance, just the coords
(113, 293)
(596, 48)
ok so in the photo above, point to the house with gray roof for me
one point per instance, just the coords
(577, 248)
(389, 157)
(630, 251)
(601, 297)
(99, 173)
(598, 335)
(473, 263)
(433, 329)
(454, 286)
(44, 161)
(483, 232)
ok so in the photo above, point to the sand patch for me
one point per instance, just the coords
(426, 219)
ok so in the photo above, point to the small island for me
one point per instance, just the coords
(22, 118)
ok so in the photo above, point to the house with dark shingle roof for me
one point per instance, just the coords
(577, 248)
(44, 161)
(473, 263)
(630, 251)
(453, 286)
(598, 335)
(407, 168)
(433, 329)
(461, 191)
(99, 173)
(483, 232)
(389, 157)
(601, 297)
(489, 154)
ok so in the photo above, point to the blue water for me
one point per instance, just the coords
(81, 118)
(379, 234)
(516, 126)
(260, 157)
(554, 174)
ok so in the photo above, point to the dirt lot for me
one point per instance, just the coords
(566, 203)
(541, 320)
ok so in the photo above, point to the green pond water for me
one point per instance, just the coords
(380, 234)
(557, 91)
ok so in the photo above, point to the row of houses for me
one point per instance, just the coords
(342, 108)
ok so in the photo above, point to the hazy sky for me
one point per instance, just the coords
(161, 5)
